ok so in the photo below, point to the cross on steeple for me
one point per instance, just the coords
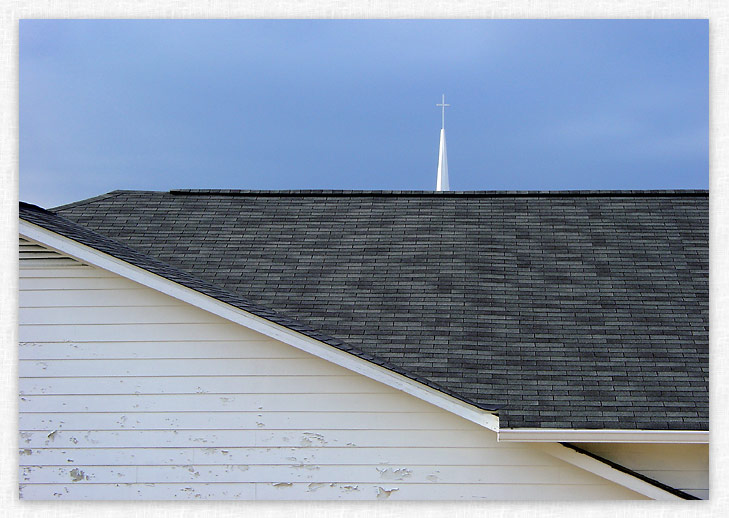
(443, 107)
(442, 181)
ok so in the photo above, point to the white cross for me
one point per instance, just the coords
(443, 107)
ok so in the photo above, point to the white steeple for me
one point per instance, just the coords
(442, 183)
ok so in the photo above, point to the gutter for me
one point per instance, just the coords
(617, 435)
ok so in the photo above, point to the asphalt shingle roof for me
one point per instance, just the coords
(578, 309)
(53, 222)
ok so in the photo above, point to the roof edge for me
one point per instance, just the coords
(613, 472)
(603, 435)
(82, 202)
(660, 485)
(450, 194)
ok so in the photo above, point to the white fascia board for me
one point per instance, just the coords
(327, 352)
(606, 471)
(624, 436)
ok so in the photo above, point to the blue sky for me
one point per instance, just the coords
(310, 104)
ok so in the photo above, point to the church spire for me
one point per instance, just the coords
(442, 182)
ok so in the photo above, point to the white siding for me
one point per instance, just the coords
(33, 255)
(126, 393)
(682, 466)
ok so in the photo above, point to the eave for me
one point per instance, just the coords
(617, 436)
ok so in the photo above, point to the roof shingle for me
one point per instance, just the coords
(577, 309)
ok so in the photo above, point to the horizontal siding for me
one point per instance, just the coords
(268, 438)
(366, 474)
(194, 385)
(315, 457)
(317, 491)
(683, 466)
(130, 315)
(79, 283)
(392, 402)
(126, 332)
(177, 367)
(130, 394)
(199, 420)
(75, 298)
(201, 349)
(33, 255)
(77, 271)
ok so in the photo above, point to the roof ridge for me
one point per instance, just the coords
(69, 229)
(412, 193)
(100, 197)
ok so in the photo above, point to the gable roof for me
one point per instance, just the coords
(573, 310)
(50, 221)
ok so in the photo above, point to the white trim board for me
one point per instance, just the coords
(606, 471)
(107, 262)
(623, 436)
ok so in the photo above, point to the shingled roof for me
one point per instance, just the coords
(578, 309)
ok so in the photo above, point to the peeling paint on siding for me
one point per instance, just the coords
(394, 474)
(383, 493)
(310, 439)
(77, 475)
(310, 467)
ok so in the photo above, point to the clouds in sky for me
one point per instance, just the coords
(160, 104)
